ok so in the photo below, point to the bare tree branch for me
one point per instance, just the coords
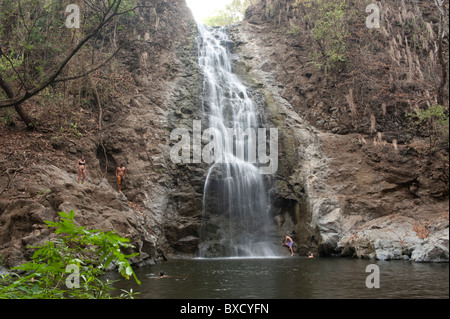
(111, 12)
(75, 77)
(13, 68)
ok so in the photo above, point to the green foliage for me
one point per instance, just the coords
(28, 29)
(295, 30)
(232, 13)
(7, 119)
(74, 128)
(91, 251)
(433, 122)
(329, 31)
(8, 62)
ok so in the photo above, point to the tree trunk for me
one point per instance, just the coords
(19, 108)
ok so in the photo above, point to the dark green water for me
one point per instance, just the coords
(289, 278)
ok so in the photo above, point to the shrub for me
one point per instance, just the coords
(329, 31)
(88, 253)
(434, 123)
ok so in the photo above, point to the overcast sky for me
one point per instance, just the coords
(204, 8)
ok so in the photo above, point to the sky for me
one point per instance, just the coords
(204, 8)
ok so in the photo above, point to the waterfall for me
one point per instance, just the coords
(236, 206)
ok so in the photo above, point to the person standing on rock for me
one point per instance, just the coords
(81, 165)
(289, 243)
(121, 173)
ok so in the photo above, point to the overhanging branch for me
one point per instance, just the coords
(112, 12)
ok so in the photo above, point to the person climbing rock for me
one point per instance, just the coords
(81, 165)
(121, 173)
(289, 243)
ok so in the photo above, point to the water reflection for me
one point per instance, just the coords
(289, 278)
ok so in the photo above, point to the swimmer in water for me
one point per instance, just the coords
(161, 275)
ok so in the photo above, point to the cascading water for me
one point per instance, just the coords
(236, 208)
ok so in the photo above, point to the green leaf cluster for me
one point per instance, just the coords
(92, 251)
(329, 31)
(434, 123)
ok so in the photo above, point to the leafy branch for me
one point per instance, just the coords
(92, 251)
(434, 122)
(329, 31)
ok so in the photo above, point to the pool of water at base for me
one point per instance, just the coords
(288, 278)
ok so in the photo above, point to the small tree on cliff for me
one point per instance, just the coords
(37, 48)
(327, 22)
(434, 123)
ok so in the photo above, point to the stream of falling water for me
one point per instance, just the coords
(235, 194)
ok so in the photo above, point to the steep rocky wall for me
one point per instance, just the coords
(160, 204)
(340, 188)
(380, 79)
(343, 189)
(167, 96)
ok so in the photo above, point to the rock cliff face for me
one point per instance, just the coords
(166, 96)
(161, 203)
(343, 189)
(347, 185)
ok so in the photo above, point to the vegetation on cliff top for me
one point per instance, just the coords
(232, 13)
(329, 31)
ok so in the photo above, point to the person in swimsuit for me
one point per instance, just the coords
(121, 173)
(289, 243)
(162, 275)
(81, 165)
